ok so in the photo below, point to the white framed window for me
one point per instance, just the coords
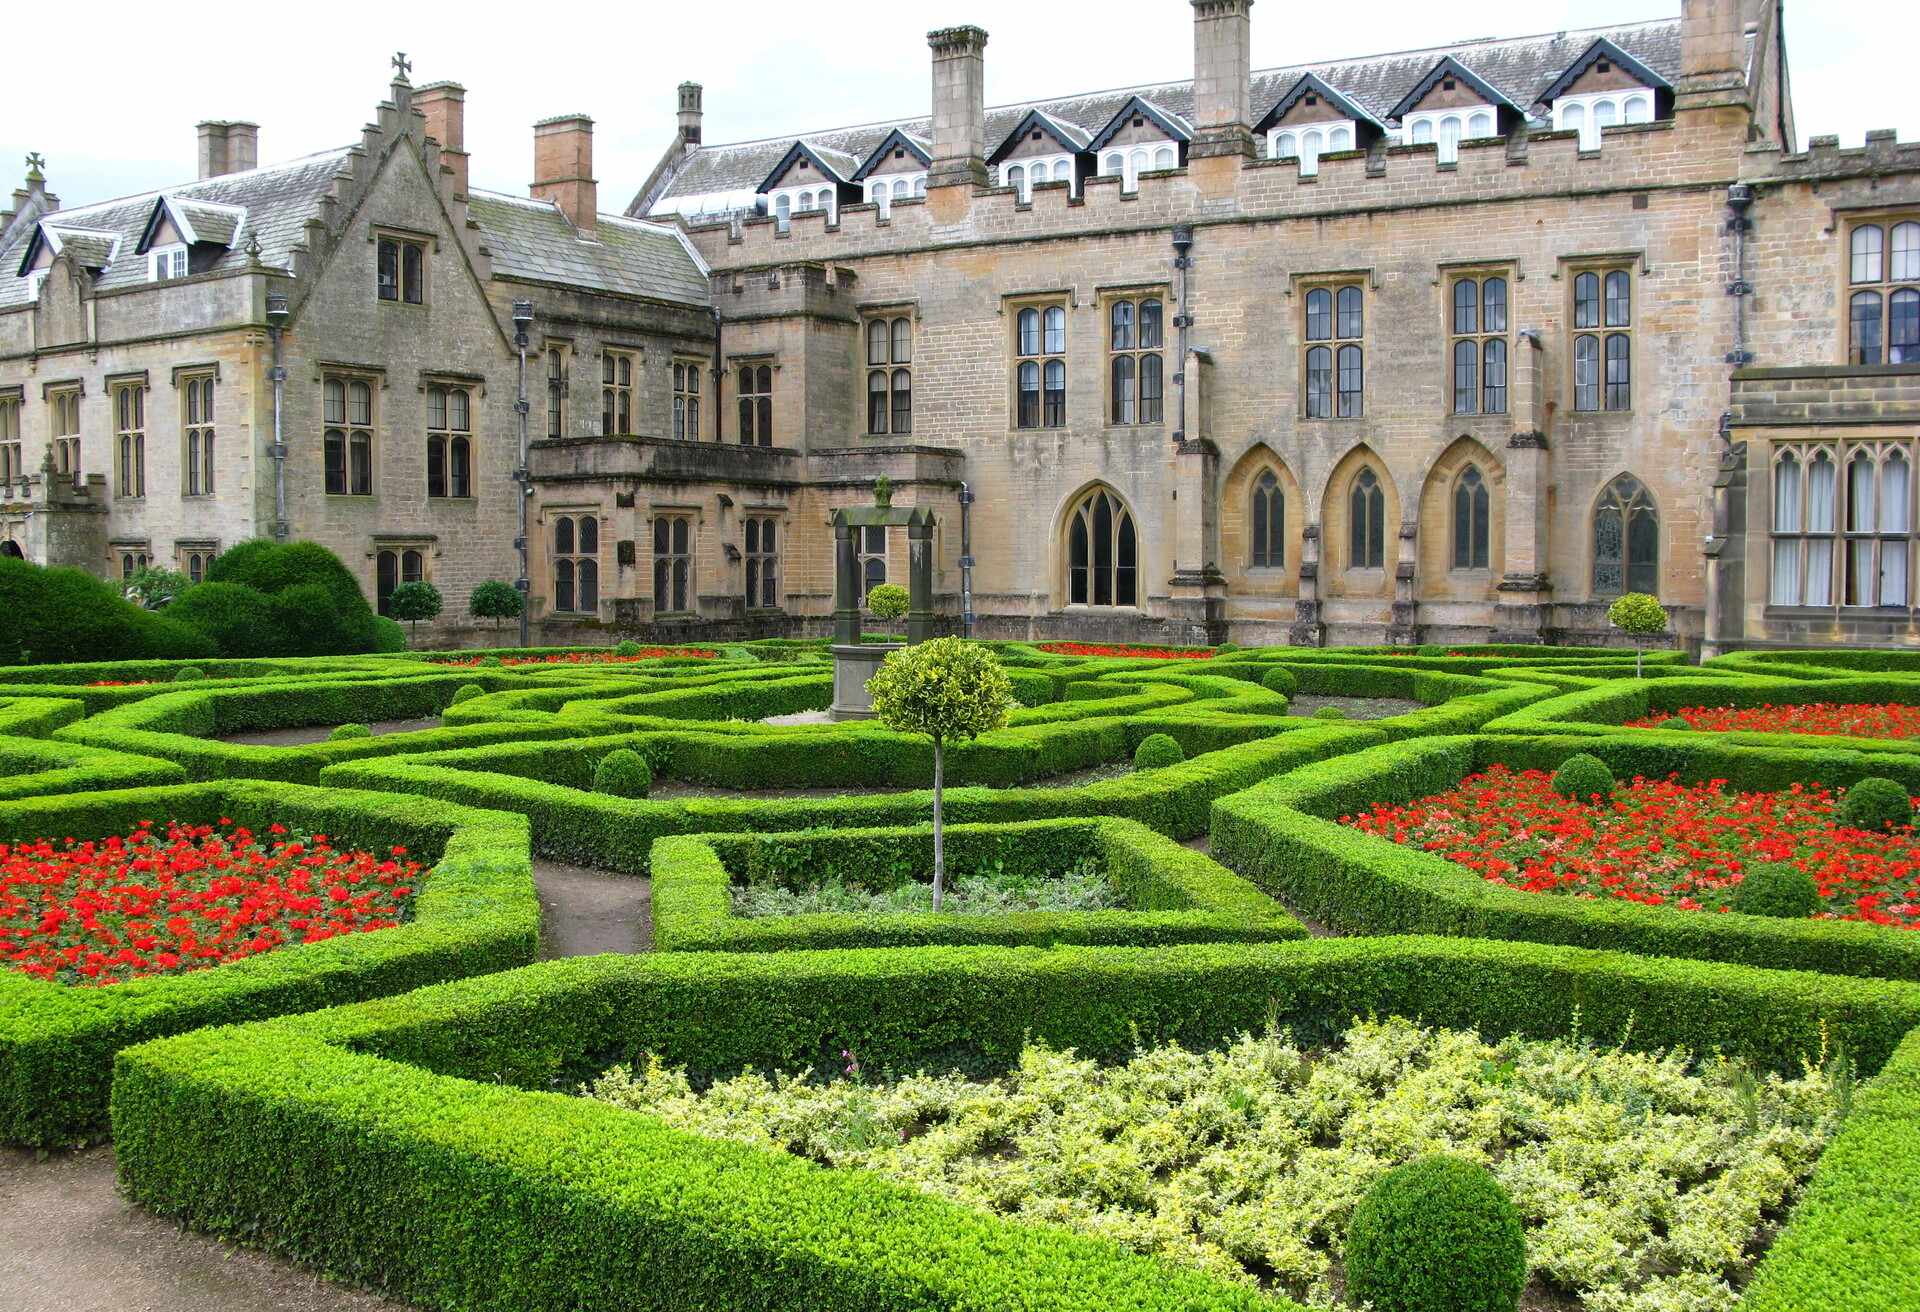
(789, 201)
(1588, 114)
(896, 186)
(1022, 174)
(1307, 144)
(1447, 128)
(35, 281)
(1128, 162)
(164, 262)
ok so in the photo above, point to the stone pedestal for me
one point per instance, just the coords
(853, 665)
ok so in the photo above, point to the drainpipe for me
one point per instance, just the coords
(966, 561)
(1182, 243)
(1740, 200)
(719, 380)
(277, 314)
(522, 476)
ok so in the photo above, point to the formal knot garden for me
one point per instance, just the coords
(1420, 978)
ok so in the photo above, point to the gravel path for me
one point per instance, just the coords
(69, 1243)
(1357, 708)
(584, 911)
(318, 733)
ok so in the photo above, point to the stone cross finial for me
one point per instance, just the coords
(402, 66)
(35, 162)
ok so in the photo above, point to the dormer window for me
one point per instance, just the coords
(1307, 144)
(896, 186)
(1449, 127)
(164, 262)
(1129, 162)
(1591, 113)
(1021, 174)
(35, 281)
(789, 201)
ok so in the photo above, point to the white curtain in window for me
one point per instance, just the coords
(1860, 520)
(1893, 519)
(1786, 519)
(1820, 519)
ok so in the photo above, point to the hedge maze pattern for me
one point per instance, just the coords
(433, 1087)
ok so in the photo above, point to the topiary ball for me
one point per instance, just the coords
(627, 648)
(1580, 777)
(188, 673)
(1776, 888)
(467, 692)
(622, 773)
(1331, 713)
(1436, 1235)
(1280, 681)
(346, 731)
(1226, 647)
(1876, 803)
(1675, 722)
(490, 662)
(1157, 750)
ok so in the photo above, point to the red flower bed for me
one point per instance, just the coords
(102, 912)
(1659, 842)
(121, 683)
(595, 657)
(1852, 719)
(1149, 653)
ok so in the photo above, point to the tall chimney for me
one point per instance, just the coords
(213, 147)
(959, 107)
(1222, 68)
(243, 146)
(1713, 54)
(227, 146)
(563, 168)
(689, 113)
(445, 105)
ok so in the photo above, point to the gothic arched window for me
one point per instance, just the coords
(1102, 552)
(1626, 540)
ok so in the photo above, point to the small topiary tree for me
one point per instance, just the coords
(1675, 722)
(1331, 713)
(1876, 803)
(1639, 616)
(413, 602)
(491, 662)
(1226, 647)
(1776, 888)
(1280, 681)
(887, 602)
(1436, 1235)
(496, 601)
(1156, 751)
(623, 773)
(466, 692)
(1581, 777)
(947, 688)
(627, 647)
(346, 731)
(188, 673)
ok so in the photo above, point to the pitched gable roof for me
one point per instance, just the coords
(1071, 137)
(90, 248)
(196, 221)
(532, 240)
(713, 177)
(1449, 67)
(834, 165)
(1602, 49)
(1310, 84)
(897, 138)
(1138, 106)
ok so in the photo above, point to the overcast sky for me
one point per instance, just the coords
(117, 118)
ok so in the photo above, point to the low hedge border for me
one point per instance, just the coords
(37, 717)
(615, 833)
(1173, 894)
(476, 912)
(311, 1133)
(1284, 836)
(32, 767)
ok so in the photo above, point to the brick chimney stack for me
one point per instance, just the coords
(445, 105)
(563, 168)
(1713, 54)
(690, 113)
(227, 146)
(959, 106)
(1222, 68)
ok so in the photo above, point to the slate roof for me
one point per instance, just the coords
(278, 199)
(1520, 68)
(532, 239)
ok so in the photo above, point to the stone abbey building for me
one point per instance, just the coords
(1441, 346)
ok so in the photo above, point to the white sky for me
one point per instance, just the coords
(117, 118)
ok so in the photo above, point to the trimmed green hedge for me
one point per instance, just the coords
(475, 912)
(31, 767)
(311, 1134)
(1284, 836)
(1173, 894)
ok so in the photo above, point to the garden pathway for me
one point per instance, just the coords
(584, 911)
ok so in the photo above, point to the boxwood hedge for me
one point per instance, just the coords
(444, 1108)
(475, 912)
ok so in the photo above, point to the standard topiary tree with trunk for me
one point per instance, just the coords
(414, 602)
(947, 688)
(1640, 617)
(496, 601)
